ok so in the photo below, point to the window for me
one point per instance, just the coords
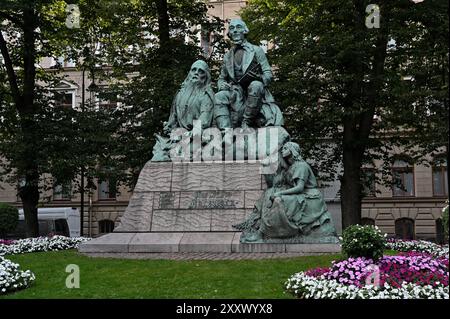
(368, 182)
(106, 226)
(368, 221)
(63, 99)
(107, 189)
(61, 227)
(440, 181)
(106, 99)
(404, 228)
(62, 191)
(403, 179)
(108, 103)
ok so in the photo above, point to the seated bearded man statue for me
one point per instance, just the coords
(243, 99)
(194, 101)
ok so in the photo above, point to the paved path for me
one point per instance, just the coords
(199, 256)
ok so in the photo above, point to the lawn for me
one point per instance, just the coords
(125, 278)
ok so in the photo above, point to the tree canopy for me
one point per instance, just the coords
(136, 52)
(353, 94)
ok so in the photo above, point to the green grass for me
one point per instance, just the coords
(125, 278)
(390, 252)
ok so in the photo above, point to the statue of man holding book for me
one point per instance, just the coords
(243, 99)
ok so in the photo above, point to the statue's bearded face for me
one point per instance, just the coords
(197, 74)
(237, 31)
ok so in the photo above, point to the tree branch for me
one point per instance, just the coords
(373, 93)
(163, 23)
(29, 57)
(12, 77)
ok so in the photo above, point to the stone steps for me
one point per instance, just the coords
(194, 242)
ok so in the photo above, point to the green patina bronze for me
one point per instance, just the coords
(194, 101)
(243, 99)
(292, 209)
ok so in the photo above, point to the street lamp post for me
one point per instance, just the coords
(82, 166)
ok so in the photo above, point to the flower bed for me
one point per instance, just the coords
(12, 278)
(304, 286)
(421, 272)
(418, 246)
(29, 245)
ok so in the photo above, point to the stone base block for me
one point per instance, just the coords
(112, 242)
(313, 248)
(194, 242)
(155, 243)
(206, 242)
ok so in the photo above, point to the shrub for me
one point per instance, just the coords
(9, 218)
(445, 220)
(363, 241)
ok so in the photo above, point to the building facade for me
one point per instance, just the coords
(414, 209)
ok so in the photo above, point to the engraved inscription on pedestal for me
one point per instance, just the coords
(215, 200)
(191, 197)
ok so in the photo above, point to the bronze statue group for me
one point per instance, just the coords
(292, 208)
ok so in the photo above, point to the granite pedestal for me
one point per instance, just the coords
(191, 207)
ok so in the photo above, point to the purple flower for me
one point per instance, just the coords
(418, 268)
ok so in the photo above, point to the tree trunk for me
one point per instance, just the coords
(29, 194)
(351, 189)
(359, 120)
(353, 151)
(24, 101)
(163, 23)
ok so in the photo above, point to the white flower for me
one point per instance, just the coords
(332, 289)
(29, 245)
(11, 278)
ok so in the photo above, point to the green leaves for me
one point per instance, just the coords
(332, 72)
(9, 218)
(141, 74)
(363, 241)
